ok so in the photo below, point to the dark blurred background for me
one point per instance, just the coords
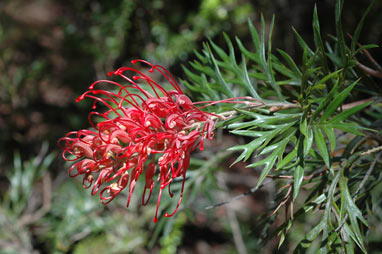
(52, 50)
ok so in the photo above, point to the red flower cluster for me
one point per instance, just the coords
(150, 131)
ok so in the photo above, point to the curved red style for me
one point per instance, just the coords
(143, 130)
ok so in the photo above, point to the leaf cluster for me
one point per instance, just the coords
(295, 136)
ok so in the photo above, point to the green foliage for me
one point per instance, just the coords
(19, 202)
(23, 178)
(171, 240)
(67, 216)
(109, 31)
(294, 134)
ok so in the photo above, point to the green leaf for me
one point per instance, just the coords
(250, 133)
(318, 200)
(282, 238)
(324, 223)
(340, 34)
(284, 133)
(268, 162)
(313, 234)
(205, 69)
(270, 32)
(298, 177)
(302, 43)
(277, 120)
(368, 46)
(221, 53)
(353, 212)
(258, 75)
(191, 87)
(348, 127)
(264, 137)
(329, 76)
(265, 63)
(252, 56)
(357, 31)
(308, 141)
(220, 78)
(326, 100)
(211, 92)
(232, 57)
(247, 82)
(291, 63)
(350, 246)
(304, 126)
(249, 148)
(332, 107)
(195, 78)
(271, 159)
(349, 112)
(288, 158)
(321, 145)
(254, 35)
(262, 43)
(318, 40)
(331, 137)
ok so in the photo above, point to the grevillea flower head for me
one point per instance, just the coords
(150, 131)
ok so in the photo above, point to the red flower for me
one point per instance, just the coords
(151, 131)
